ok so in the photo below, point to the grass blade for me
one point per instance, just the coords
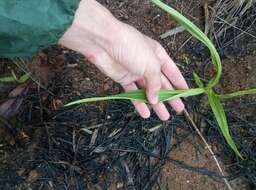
(220, 116)
(13, 78)
(7, 79)
(198, 81)
(197, 33)
(23, 78)
(239, 93)
(140, 95)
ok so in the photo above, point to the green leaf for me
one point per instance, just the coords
(220, 116)
(140, 95)
(13, 78)
(7, 79)
(239, 93)
(23, 78)
(198, 81)
(197, 33)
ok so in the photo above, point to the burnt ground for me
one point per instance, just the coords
(106, 145)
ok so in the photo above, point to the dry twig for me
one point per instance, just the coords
(187, 115)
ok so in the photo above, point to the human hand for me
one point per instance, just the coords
(125, 55)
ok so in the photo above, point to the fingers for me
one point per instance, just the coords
(173, 75)
(141, 107)
(176, 104)
(170, 69)
(153, 82)
(161, 111)
(159, 108)
(172, 72)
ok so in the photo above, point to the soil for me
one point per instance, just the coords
(23, 155)
(174, 177)
(180, 179)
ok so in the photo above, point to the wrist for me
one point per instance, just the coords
(93, 23)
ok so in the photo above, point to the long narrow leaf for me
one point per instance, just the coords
(239, 93)
(220, 116)
(13, 78)
(7, 79)
(198, 81)
(140, 95)
(23, 78)
(197, 33)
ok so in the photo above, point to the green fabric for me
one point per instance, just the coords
(28, 26)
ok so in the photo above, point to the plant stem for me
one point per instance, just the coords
(239, 93)
(187, 115)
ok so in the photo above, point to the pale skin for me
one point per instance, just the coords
(124, 54)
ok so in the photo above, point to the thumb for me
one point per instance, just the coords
(153, 83)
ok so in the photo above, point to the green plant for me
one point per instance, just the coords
(13, 78)
(213, 98)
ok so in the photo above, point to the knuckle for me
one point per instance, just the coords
(153, 69)
(91, 57)
(94, 56)
(158, 48)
